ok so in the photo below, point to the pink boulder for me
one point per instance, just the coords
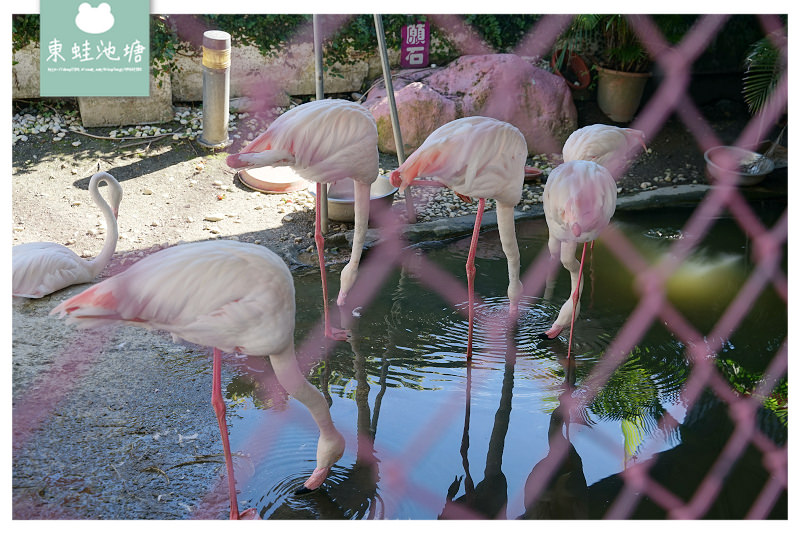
(501, 86)
(420, 110)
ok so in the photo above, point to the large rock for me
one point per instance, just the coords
(501, 86)
(420, 111)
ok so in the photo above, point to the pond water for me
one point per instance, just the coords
(424, 427)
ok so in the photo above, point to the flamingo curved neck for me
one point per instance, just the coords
(98, 263)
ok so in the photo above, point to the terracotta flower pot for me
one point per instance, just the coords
(576, 73)
(620, 93)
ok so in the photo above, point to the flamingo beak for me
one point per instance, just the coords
(640, 138)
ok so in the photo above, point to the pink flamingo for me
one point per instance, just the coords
(324, 141)
(606, 145)
(603, 144)
(579, 199)
(476, 157)
(41, 268)
(229, 295)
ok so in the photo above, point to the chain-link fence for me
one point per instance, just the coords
(671, 98)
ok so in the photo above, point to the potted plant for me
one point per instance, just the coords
(575, 71)
(622, 64)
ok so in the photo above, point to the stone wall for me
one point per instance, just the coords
(270, 80)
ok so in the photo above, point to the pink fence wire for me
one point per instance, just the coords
(392, 252)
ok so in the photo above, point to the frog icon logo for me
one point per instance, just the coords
(94, 20)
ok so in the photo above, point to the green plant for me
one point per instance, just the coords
(746, 383)
(357, 38)
(763, 69)
(501, 32)
(354, 40)
(269, 32)
(164, 45)
(620, 48)
(265, 32)
(24, 30)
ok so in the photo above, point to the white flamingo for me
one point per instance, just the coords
(579, 200)
(476, 157)
(324, 141)
(608, 146)
(41, 268)
(229, 295)
(605, 145)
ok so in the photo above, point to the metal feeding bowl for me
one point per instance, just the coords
(750, 167)
(341, 197)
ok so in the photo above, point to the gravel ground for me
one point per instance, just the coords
(152, 440)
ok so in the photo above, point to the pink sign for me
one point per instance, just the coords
(414, 46)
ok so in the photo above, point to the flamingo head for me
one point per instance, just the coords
(635, 136)
(397, 180)
(576, 216)
(253, 158)
(238, 161)
(116, 196)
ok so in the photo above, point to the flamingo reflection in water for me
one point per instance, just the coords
(489, 497)
(556, 487)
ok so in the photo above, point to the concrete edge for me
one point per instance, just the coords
(451, 228)
(457, 227)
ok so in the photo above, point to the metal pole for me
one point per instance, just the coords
(398, 136)
(216, 88)
(323, 197)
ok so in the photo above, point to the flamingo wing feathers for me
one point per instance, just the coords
(479, 157)
(323, 141)
(605, 145)
(40, 268)
(229, 295)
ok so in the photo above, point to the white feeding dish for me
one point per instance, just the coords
(341, 197)
(272, 179)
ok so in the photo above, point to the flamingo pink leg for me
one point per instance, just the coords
(471, 273)
(331, 333)
(575, 297)
(219, 408)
